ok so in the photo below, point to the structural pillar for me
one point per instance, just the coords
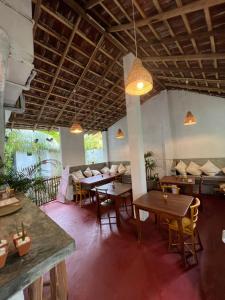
(135, 139)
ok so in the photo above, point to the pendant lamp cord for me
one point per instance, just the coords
(135, 34)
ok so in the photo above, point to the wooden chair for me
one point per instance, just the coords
(189, 229)
(80, 193)
(104, 204)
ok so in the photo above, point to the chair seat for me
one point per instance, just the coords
(186, 223)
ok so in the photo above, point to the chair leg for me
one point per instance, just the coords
(193, 248)
(199, 240)
(170, 239)
(81, 199)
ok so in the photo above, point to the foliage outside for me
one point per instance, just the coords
(93, 141)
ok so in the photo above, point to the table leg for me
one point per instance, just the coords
(181, 239)
(35, 290)
(117, 209)
(58, 282)
(137, 213)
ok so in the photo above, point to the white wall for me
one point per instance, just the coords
(72, 148)
(156, 133)
(206, 138)
(165, 134)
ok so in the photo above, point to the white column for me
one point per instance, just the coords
(105, 145)
(135, 138)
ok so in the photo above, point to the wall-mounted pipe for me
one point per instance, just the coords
(18, 110)
(4, 54)
(25, 87)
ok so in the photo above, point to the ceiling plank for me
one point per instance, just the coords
(199, 88)
(200, 56)
(91, 3)
(185, 9)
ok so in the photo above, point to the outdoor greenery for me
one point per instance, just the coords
(93, 141)
(28, 142)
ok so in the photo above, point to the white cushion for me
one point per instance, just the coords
(74, 177)
(194, 169)
(105, 170)
(210, 169)
(113, 170)
(95, 172)
(79, 174)
(128, 170)
(121, 169)
(181, 168)
(223, 169)
(88, 172)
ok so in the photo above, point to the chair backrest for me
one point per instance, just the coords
(78, 186)
(194, 212)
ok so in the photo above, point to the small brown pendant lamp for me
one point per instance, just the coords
(76, 127)
(139, 80)
(189, 119)
(120, 134)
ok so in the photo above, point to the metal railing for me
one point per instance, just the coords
(46, 193)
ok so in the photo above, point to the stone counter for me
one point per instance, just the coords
(50, 245)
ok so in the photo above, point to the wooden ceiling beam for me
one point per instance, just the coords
(190, 79)
(82, 75)
(209, 70)
(182, 37)
(202, 56)
(91, 3)
(199, 88)
(60, 66)
(185, 9)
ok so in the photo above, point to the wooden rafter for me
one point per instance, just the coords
(208, 56)
(185, 9)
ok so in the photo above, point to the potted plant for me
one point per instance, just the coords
(23, 242)
(3, 252)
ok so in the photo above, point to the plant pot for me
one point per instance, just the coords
(17, 236)
(4, 243)
(23, 245)
(3, 256)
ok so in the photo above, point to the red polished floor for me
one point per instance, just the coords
(109, 264)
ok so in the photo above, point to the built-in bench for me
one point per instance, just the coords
(207, 184)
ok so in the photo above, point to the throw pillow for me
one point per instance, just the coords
(194, 169)
(105, 170)
(181, 168)
(223, 170)
(74, 177)
(114, 169)
(95, 172)
(210, 169)
(121, 169)
(128, 170)
(88, 172)
(79, 174)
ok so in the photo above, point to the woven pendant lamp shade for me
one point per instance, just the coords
(76, 128)
(189, 119)
(120, 134)
(139, 80)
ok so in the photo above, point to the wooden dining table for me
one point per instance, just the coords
(173, 207)
(90, 182)
(115, 191)
(186, 183)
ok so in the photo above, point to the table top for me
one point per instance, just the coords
(97, 179)
(175, 205)
(50, 245)
(180, 180)
(118, 189)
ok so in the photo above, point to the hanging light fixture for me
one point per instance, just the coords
(139, 80)
(190, 119)
(76, 128)
(120, 135)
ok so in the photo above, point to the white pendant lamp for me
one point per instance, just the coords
(139, 80)
(76, 128)
(189, 119)
(120, 135)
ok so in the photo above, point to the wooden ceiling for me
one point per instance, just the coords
(79, 47)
